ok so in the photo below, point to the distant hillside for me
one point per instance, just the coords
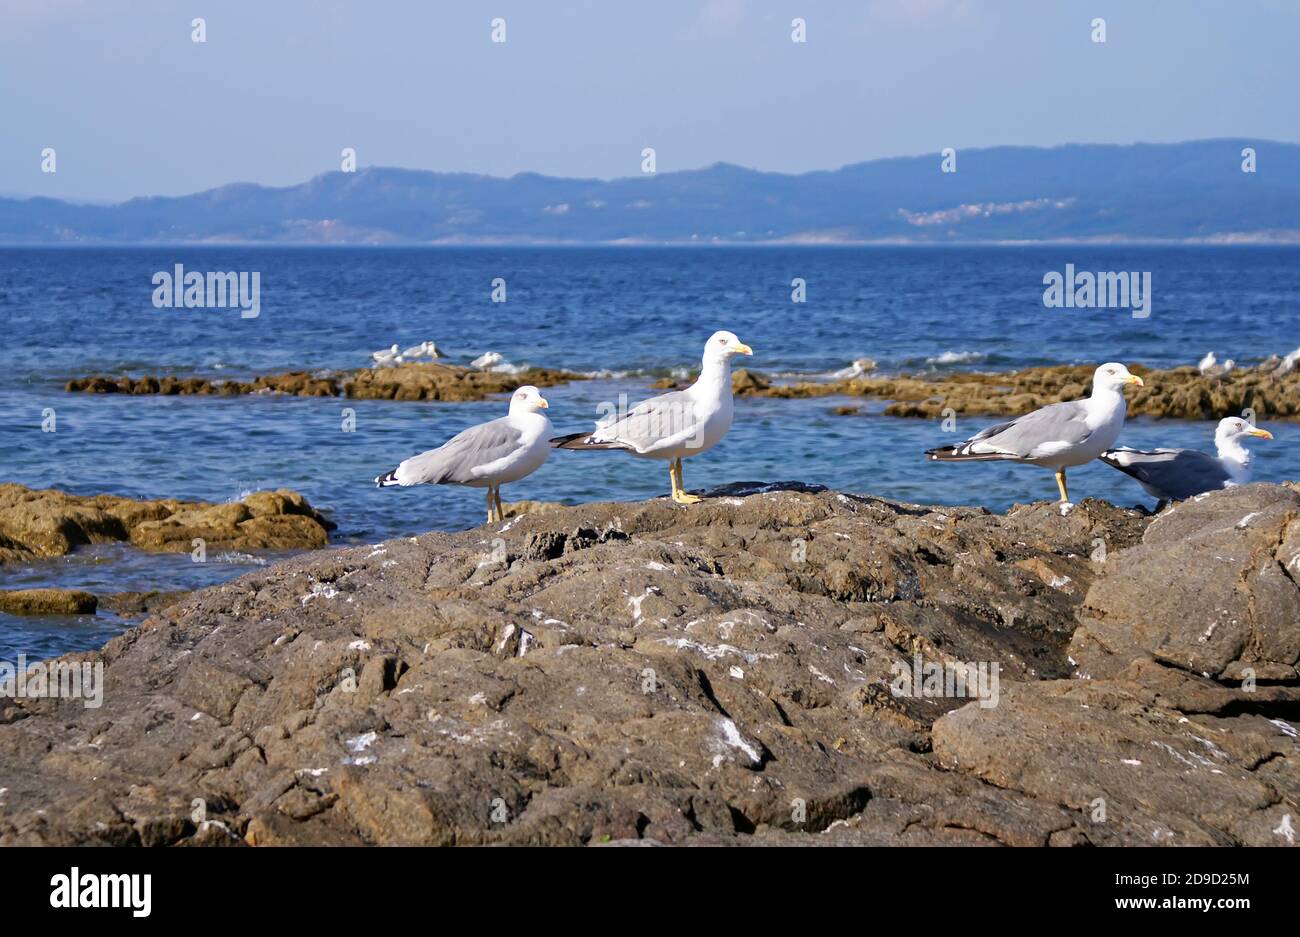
(1178, 192)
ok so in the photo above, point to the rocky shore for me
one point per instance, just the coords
(409, 381)
(1179, 393)
(48, 522)
(724, 673)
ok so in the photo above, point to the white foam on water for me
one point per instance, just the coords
(956, 357)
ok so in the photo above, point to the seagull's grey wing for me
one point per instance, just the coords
(1035, 434)
(1170, 473)
(455, 461)
(659, 422)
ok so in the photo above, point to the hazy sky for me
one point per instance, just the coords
(133, 106)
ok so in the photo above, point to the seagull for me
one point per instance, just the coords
(1289, 362)
(489, 360)
(423, 350)
(674, 425)
(1209, 366)
(1175, 474)
(859, 367)
(487, 455)
(1058, 436)
(387, 356)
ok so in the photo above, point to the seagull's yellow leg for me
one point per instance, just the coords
(679, 490)
(491, 506)
(501, 509)
(1060, 483)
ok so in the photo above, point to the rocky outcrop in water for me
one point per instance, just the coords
(409, 381)
(47, 602)
(1180, 393)
(730, 672)
(48, 522)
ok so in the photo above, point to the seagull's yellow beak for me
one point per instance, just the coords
(1261, 433)
(544, 404)
(1134, 379)
(743, 349)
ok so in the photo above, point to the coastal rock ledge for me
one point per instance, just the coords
(46, 522)
(713, 674)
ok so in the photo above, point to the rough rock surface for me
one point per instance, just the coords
(48, 522)
(715, 673)
(1180, 393)
(410, 381)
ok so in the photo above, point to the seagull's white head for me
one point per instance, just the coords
(1113, 376)
(1233, 430)
(527, 399)
(723, 346)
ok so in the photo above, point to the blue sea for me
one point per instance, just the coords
(628, 315)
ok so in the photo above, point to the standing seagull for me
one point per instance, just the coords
(1058, 436)
(487, 455)
(675, 425)
(1175, 474)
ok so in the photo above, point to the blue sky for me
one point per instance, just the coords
(133, 106)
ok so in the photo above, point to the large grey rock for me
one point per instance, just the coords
(1211, 589)
(621, 672)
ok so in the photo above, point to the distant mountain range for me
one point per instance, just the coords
(1182, 192)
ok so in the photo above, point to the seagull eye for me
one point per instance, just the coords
(722, 341)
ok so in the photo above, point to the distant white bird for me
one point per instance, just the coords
(387, 356)
(675, 425)
(1210, 367)
(487, 360)
(859, 367)
(1289, 362)
(1057, 436)
(1174, 474)
(425, 349)
(488, 455)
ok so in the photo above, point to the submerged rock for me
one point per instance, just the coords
(732, 671)
(409, 381)
(38, 523)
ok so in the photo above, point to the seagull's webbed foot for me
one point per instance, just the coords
(680, 494)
